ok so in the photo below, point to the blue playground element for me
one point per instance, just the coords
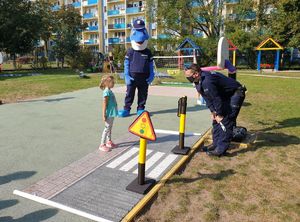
(188, 47)
(261, 48)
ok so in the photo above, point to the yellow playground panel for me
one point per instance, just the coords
(173, 71)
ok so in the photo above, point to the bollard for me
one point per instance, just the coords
(142, 160)
(181, 113)
(142, 127)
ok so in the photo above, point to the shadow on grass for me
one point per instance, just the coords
(293, 122)
(16, 176)
(36, 216)
(214, 176)
(28, 73)
(7, 203)
(47, 100)
(269, 139)
(188, 109)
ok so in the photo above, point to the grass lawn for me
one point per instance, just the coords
(50, 82)
(260, 183)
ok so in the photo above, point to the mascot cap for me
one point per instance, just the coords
(139, 24)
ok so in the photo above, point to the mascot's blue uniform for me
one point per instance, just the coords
(224, 96)
(138, 68)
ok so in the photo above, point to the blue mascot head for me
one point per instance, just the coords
(139, 35)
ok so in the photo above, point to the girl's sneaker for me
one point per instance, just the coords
(104, 148)
(111, 145)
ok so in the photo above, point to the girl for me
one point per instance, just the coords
(110, 111)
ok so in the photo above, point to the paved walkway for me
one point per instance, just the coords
(43, 137)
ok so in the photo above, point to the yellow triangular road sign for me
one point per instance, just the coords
(142, 127)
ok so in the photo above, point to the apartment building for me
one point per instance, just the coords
(109, 21)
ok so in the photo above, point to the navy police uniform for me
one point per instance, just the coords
(139, 63)
(224, 96)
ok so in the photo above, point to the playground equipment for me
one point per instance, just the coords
(181, 112)
(142, 127)
(193, 50)
(268, 45)
(223, 59)
(187, 53)
(232, 48)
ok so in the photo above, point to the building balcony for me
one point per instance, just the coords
(89, 15)
(117, 26)
(116, 40)
(76, 4)
(90, 41)
(113, 12)
(133, 10)
(92, 28)
(92, 2)
(89, 2)
(114, 1)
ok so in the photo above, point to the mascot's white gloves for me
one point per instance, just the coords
(151, 76)
(128, 78)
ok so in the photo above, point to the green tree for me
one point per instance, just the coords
(248, 26)
(182, 17)
(68, 29)
(48, 22)
(285, 22)
(19, 27)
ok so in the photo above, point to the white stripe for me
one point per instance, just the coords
(151, 161)
(155, 173)
(176, 132)
(271, 76)
(173, 57)
(122, 158)
(59, 206)
(133, 162)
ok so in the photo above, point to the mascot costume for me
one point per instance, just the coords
(138, 68)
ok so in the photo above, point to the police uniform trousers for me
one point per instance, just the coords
(223, 132)
(141, 85)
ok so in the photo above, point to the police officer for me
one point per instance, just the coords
(224, 97)
(139, 68)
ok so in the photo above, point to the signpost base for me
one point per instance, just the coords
(182, 151)
(134, 186)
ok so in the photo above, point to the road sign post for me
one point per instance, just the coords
(142, 127)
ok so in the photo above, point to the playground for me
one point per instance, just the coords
(50, 156)
(41, 148)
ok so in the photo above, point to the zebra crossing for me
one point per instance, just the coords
(157, 162)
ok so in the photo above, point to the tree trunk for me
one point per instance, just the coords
(46, 48)
(14, 61)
